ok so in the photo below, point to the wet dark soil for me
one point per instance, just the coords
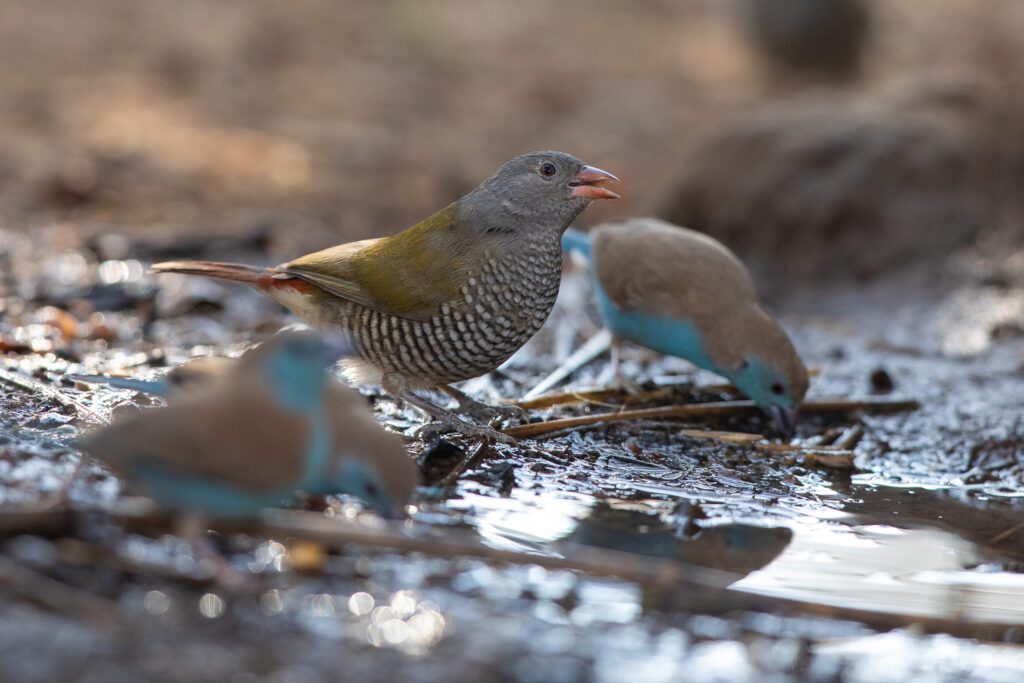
(925, 528)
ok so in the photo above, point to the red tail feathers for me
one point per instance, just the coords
(266, 280)
(252, 275)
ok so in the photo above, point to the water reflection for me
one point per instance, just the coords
(560, 526)
(920, 572)
(902, 656)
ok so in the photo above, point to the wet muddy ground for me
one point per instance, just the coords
(899, 563)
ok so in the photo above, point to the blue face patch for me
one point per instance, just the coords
(756, 380)
(358, 478)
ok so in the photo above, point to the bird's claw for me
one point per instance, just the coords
(482, 412)
(433, 430)
(486, 413)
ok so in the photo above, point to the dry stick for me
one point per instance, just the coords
(464, 464)
(44, 521)
(678, 579)
(1003, 535)
(594, 396)
(600, 394)
(699, 410)
(849, 439)
(85, 553)
(594, 347)
(335, 533)
(723, 437)
(581, 396)
(836, 459)
(332, 533)
(36, 387)
(56, 596)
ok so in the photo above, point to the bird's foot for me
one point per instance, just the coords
(437, 428)
(484, 412)
(446, 420)
(613, 379)
(223, 574)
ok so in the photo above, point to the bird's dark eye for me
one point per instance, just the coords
(777, 389)
(372, 489)
(547, 169)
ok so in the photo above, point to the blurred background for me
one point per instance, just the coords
(823, 140)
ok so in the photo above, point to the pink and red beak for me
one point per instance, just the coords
(588, 182)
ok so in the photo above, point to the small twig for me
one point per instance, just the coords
(827, 457)
(849, 439)
(663, 413)
(677, 579)
(723, 437)
(835, 459)
(335, 533)
(1003, 535)
(674, 581)
(700, 410)
(581, 396)
(41, 520)
(56, 596)
(464, 464)
(878, 405)
(594, 347)
(826, 438)
(34, 386)
(600, 394)
(597, 561)
(84, 553)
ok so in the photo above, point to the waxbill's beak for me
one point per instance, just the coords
(588, 181)
(784, 420)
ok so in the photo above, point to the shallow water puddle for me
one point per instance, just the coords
(831, 558)
(901, 656)
(525, 522)
(922, 572)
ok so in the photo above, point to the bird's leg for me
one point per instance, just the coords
(612, 375)
(480, 411)
(192, 528)
(397, 387)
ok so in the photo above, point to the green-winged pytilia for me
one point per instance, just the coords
(448, 299)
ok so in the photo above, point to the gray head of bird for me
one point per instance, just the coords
(535, 190)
